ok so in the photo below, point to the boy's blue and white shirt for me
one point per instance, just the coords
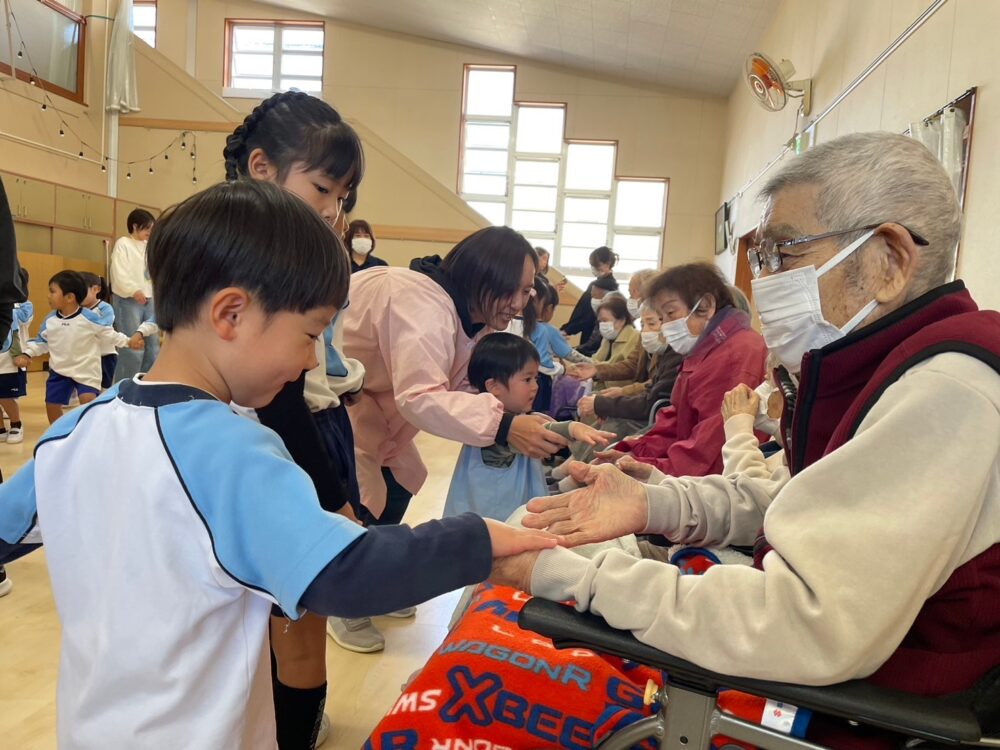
(74, 345)
(165, 579)
(104, 314)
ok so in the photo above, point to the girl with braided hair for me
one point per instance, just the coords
(301, 143)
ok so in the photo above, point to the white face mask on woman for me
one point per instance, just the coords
(653, 342)
(361, 245)
(607, 329)
(678, 335)
(791, 316)
(595, 303)
(633, 306)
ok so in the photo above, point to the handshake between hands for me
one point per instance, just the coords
(610, 505)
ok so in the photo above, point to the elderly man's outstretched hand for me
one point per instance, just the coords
(612, 505)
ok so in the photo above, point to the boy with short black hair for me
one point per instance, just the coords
(165, 580)
(73, 338)
(495, 481)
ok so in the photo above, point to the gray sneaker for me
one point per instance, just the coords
(357, 634)
(402, 614)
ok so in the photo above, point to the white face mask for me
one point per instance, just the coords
(361, 245)
(653, 342)
(762, 421)
(595, 303)
(633, 306)
(607, 330)
(791, 316)
(678, 335)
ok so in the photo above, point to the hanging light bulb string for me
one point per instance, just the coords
(103, 159)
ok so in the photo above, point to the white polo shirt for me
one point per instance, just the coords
(164, 580)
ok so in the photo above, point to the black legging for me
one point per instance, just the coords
(397, 500)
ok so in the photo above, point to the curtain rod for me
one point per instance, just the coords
(886, 53)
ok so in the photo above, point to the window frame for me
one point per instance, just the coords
(229, 91)
(465, 119)
(614, 228)
(561, 159)
(156, 22)
(81, 58)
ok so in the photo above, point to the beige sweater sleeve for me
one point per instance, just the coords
(723, 509)
(860, 540)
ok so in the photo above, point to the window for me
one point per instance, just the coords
(268, 56)
(144, 20)
(518, 169)
(487, 122)
(48, 47)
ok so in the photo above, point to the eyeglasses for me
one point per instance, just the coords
(767, 253)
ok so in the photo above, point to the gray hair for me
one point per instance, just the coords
(740, 301)
(642, 278)
(869, 178)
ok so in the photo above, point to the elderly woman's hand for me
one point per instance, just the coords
(585, 407)
(740, 400)
(635, 469)
(612, 505)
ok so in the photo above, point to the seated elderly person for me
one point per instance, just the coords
(637, 290)
(625, 410)
(880, 559)
(720, 351)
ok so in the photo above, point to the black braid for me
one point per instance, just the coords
(236, 151)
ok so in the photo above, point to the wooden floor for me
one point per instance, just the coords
(361, 686)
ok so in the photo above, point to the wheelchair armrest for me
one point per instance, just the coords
(949, 719)
(657, 405)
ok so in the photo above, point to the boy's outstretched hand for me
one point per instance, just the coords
(590, 435)
(508, 540)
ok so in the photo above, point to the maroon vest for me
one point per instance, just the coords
(955, 638)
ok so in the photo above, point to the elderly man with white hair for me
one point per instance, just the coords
(880, 558)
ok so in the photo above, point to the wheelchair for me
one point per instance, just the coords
(688, 717)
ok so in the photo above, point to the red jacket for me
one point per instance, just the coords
(687, 438)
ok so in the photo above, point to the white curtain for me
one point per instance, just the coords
(122, 88)
(944, 135)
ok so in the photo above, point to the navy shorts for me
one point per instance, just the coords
(59, 389)
(108, 364)
(334, 426)
(14, 384)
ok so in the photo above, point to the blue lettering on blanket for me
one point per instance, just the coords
(482, 700)
(570, 673)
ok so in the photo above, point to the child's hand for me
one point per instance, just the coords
(508, 540)
(589, 435)
(136, 342)
(585, 407)
(22, 360)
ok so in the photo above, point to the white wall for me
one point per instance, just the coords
(832, 41)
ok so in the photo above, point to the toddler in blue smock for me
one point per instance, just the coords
(494, 481)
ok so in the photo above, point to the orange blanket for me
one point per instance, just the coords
(493, 686)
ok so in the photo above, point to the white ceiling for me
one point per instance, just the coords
(698, 45)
